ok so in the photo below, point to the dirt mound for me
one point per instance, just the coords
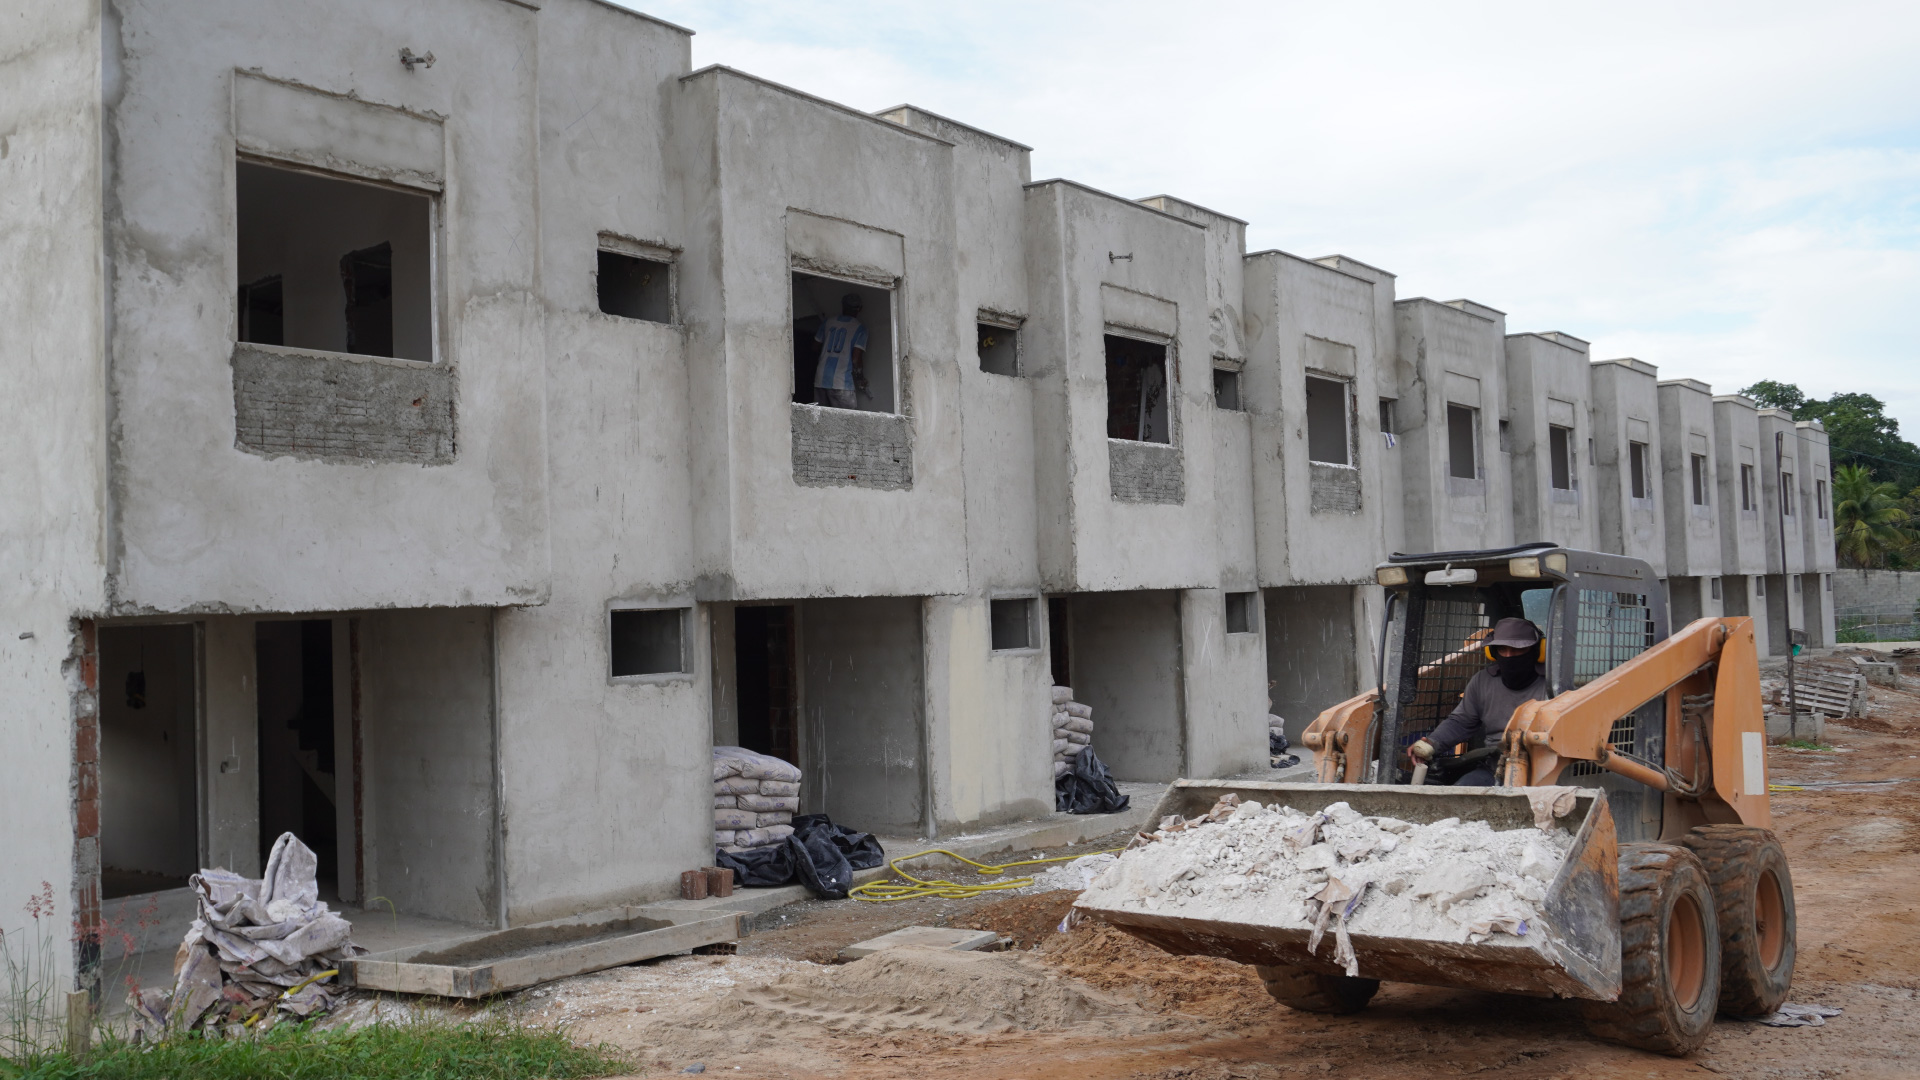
(1028, 920)
(1219, 991)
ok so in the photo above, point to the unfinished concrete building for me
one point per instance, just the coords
(415, 446)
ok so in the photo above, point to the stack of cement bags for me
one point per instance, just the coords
(754, 799)
(1072, 729)
(259, 948)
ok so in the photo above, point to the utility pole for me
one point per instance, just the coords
(1780, 516)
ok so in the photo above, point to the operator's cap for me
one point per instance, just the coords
(1515, 633)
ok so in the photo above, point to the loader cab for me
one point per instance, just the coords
(1597, 611)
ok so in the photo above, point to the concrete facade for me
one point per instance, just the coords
(462, 573)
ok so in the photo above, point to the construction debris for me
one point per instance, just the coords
(259, 948)
(1791, 1015)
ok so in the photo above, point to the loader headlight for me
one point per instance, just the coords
(1557, 562)
(1391, 575)
(1528, 566)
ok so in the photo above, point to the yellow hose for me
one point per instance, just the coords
(877, 892)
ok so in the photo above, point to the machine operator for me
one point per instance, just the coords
(1516, 675)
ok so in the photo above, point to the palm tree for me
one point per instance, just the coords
(1868, 522)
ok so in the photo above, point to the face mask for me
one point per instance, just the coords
(1517, 672)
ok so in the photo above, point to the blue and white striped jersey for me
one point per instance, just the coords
(838, 337)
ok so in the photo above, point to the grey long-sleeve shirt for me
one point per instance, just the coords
(1486, 707)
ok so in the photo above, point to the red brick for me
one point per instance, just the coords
(86, 818)
(693, 885)
(86, 740)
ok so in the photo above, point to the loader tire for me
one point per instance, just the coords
(1310, 991)
(1669, 954)
(1753, 901)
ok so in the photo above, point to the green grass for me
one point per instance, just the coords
(492, 1049)
(1805, 744)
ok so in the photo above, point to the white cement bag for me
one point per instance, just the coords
(740, 761)
(771, 818)
(734, 819)
(725, 802)
(767, 837)
(1274, 722)
(779, 787)
(1062, 695)
(1061, 768)
(1078, 738)
(766, 803)
(1060, 746)
(1074, 708)
(723, 837)
(736, 785)
(1074, 723)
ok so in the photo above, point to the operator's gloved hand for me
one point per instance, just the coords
(1421, 750)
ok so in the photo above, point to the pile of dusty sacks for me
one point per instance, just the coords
(259, 948)
(1072, 729)
(754, 799)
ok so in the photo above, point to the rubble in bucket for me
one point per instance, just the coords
(1337, 870)
(754, 799)
(259, 948)
(1072, 729)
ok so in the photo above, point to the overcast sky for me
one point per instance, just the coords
(1730, 191)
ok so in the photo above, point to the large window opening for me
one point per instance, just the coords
(648, 642)
(1698, 473)
(843, 345)
(1138, 390)
(1637, 465)
(1560, 456)
(1012, 623)
(149, 760)
(1746, 487)
(333, 265)
(1328, 440)
(1462, 423)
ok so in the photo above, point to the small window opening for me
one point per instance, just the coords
(1386, 417)
(332, 265)
(999, 349)
(1012, 623)
(1759, 586)
(1059, 650)
(1560, 456)
(648, 642)
(1826, 582)
(1327, 441)
(1699, 476)
(1506, 436)
(1746, 487)
(1137, 390)
(635, 288)
(1461, 422)
(1713, 586)
(1226, 389)
(1637, 465)
(1786, 494)
(1820, 499)
(1243, 613)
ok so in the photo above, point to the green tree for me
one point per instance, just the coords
(1869, 523)
(1776, 395)
(1859, 431)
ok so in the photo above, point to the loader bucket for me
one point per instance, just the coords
(1576, 954)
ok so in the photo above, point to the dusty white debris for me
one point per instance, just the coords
(1276, 866)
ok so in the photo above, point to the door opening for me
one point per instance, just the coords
(297, 761)
(764, 671)
(149, 759)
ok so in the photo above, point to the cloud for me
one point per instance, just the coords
(1726, 190)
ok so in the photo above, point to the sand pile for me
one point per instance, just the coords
(961, 993)
(1338, 870)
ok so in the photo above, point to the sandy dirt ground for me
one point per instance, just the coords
(1092, 1002)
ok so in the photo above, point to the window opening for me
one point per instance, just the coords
(1059, 648)
(999, 349)
(1560, 456)
(843, 344)
(1386, 417)
(1746, 487)
(1820, 499)
(1243, 613)
(1226, 389)
(1137, 390)
(1786, 494)
(1698, 464)
(1713, 585)
(332, 265)
(1637, 464)
(1327, 441)
(634, 288)
(1012, 623)
(648, 642)
(1461, 424)
(1506, 436)
(1759, 586)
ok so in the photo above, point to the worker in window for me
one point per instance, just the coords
(841, 373)
(1516, 675)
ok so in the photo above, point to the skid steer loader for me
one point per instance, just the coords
(1675, 901)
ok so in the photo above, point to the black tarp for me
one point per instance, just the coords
(1088, 787)
(820, 855)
